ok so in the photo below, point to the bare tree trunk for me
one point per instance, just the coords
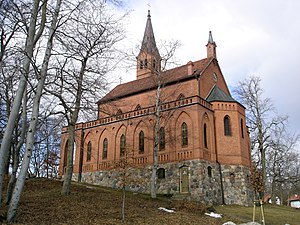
(69, 170)
(71, 130)
(29, 46)
(16, 155)
(156, 139)
(123, 204)
(11, 214)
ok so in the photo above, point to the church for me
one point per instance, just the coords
(203, 145)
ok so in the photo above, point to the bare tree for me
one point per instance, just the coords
(86, 53)
(281, 158)
(159, 98)
(31, 38)
(261, 119)
(11, 214)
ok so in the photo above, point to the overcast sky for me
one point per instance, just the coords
(257, 37)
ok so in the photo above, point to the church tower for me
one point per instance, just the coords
(211, 47)
(148, 60)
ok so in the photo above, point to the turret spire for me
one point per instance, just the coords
(148, 58)
(149, 43)
(211, 47)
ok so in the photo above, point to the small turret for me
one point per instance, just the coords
(148, 60)
(211, 47)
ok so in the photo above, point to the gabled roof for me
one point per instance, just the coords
(217, 94)
(148, 83)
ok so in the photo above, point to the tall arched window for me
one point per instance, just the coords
(227, 129)
(184, 134)
(105, 147)
(242, 128)
(89, 152)
(141, 143)
(146, 63)
(122, 145)
(205, 135)
(162, 141)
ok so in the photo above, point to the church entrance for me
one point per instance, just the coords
(184, 179)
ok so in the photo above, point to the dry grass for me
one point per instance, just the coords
(274, 214)
(42, 203)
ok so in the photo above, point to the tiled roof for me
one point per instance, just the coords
(217, 94)
(148, 83)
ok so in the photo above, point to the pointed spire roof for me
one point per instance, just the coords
(148, 43)
(210, 39)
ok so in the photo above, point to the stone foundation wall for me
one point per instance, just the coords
(236, 183)
(204, 186)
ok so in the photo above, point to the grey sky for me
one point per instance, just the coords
(257, 37)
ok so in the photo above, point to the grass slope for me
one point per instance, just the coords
(42, 203)
(274, 214)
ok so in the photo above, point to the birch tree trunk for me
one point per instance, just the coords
(16, 154)
(7, 137)
(11, 214)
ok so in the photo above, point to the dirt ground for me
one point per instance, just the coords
(42, 203)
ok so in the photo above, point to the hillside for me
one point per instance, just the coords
(42, 203)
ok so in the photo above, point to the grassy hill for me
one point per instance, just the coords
(42, 203)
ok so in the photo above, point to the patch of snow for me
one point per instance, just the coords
(250, 223)
(229, 223)
(166, 210)
(215, 215)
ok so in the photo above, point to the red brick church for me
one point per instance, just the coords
(203, 143)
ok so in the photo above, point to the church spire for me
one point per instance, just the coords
(148, 60)
(211, 47)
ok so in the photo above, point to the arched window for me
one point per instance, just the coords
(205, 135)
(184, 134)
(227, 129)
(141, 143)
(161, 173)
(242, 128)
(89, 152)
(122, 145)
(209, 171)
(162, 142)
(105, 147)
(146, 63)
